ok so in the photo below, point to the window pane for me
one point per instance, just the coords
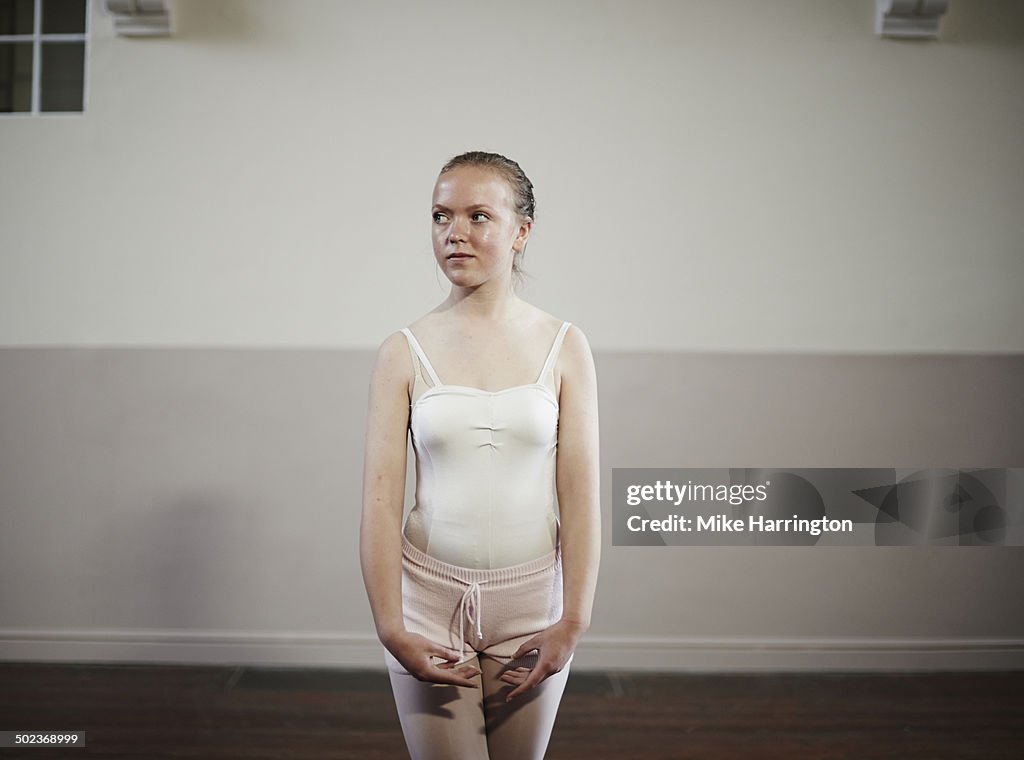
(16, 16)
(15, 76)
(63, 17)
(62, 80)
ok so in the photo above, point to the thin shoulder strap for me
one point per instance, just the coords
(423, 357)
(549, 363)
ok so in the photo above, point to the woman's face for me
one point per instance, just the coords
(475, 225)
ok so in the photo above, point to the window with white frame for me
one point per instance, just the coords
(42, 56)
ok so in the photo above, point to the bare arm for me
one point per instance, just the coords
(380, 530)
(578, 479)
(384, 465)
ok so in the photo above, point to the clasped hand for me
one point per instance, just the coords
(554, 646)
(416, 653)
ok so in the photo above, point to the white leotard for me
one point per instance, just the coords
(485, 467)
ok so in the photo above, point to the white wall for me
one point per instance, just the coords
(728, 175)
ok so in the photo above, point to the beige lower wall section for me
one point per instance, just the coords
(203, 506)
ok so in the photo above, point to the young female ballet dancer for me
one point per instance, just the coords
(481, 597)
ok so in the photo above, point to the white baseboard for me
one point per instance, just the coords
(720, 654)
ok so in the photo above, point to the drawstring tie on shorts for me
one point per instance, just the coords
(469, 608)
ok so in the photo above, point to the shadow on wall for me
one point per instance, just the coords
(984, 22)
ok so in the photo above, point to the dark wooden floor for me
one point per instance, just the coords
(145, 711)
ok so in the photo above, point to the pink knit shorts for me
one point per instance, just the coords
(491, 611)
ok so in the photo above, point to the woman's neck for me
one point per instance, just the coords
(481, 304)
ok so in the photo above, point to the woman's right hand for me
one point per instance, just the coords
(414, 652)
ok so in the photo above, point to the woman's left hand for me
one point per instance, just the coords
(554, 647)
